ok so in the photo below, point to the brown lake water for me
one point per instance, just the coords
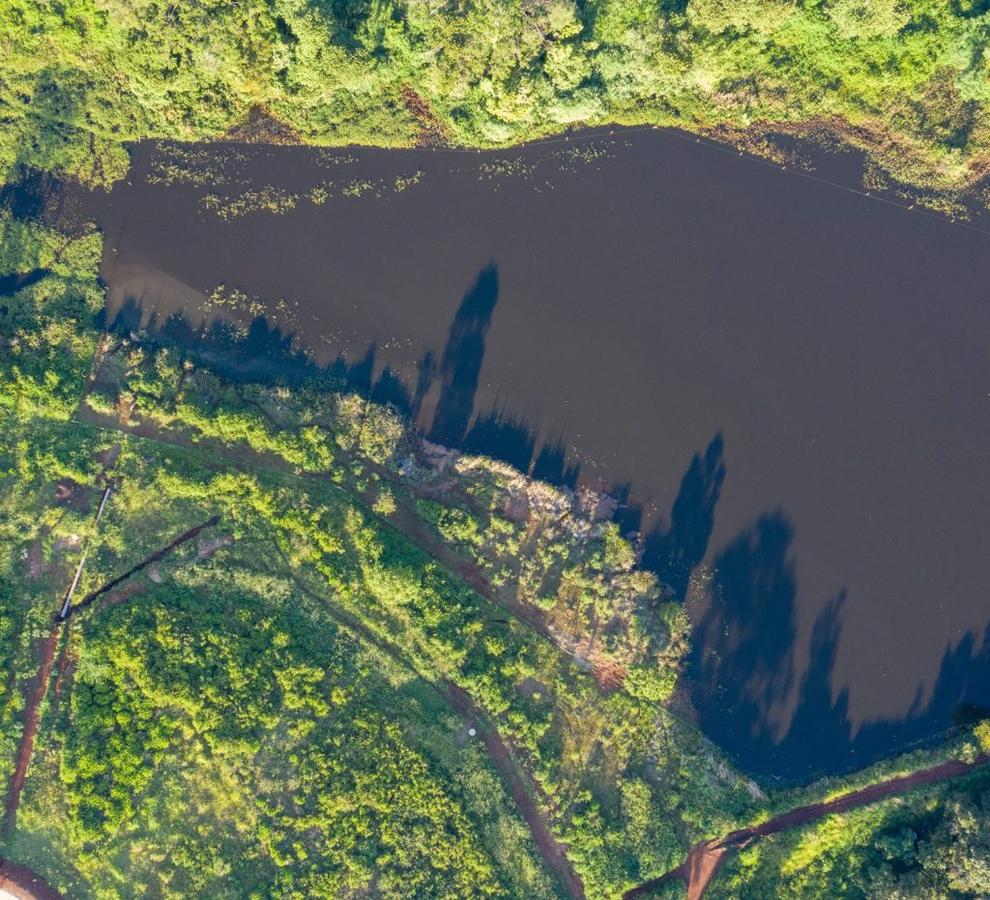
(789, 383)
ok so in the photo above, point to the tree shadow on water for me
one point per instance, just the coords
(822, 738)
(743, 678)
(426, 374)
(463, 355)
(675, 551)
(503, 435)
(742, 662)
(771, 719)
(553, 466)
(258, 352)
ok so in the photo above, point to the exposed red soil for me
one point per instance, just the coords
(67, 660)
(609, 675)
(71, 493)
(22, 882)
(39, 688)
(46, 664)
(26, 745)
(705, 857)
(432, 132)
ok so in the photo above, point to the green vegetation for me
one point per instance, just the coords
(906, 80)
(932, 844)
(222, 740)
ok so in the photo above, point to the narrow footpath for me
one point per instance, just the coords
(405, 520)
(550, 849)
(25, 746)
(516, 782)
(705, 857)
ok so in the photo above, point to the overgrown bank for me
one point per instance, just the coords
(906, 81)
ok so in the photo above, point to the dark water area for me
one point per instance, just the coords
(788, 383)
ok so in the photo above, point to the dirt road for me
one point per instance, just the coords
(25, 746)
(705, 857)
(23, 883)
(460, 701)
(551, 851)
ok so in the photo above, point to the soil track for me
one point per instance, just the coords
(406, 520)
(22, 882)
(26, 745)
(705, 857)
(46, 662)
(551, 851)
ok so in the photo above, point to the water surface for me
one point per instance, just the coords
(789, 383)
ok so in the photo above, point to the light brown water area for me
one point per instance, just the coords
(787, 382)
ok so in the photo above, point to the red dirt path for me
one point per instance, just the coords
(705, 857)
(26, 744)
(551, 851)
(22, 882)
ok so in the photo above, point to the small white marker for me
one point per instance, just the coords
(472, 732)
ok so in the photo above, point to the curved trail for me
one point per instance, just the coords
(551, 851)
(705, 857)
(414, 529)
(518, 785)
